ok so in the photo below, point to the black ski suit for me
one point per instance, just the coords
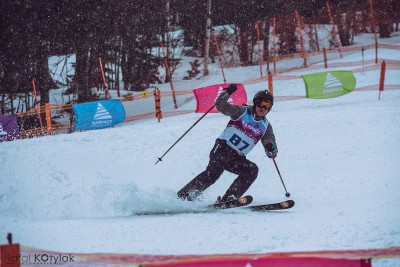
(228, 154)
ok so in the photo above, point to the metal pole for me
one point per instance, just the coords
(194, 124)
(280, 176)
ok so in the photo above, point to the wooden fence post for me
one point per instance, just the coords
(48, 119)
(270, 84)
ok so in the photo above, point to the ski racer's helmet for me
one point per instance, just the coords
(263, 95)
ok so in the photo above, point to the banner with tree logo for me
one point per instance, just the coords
(329, 84)
(98, 114)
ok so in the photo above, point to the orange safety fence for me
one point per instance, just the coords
(333, 51)
(141, 105)
(140, 95)
(59, 118)
(375, 87)
(331, 54)
(151, 115)
(369, 66)
(62, 118)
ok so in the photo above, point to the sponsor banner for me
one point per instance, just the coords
(276, 262)
(333, 258)
(205, 96)
(329, 84)
(9, 129)
(98, 114)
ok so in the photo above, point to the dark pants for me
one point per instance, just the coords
(222, 157)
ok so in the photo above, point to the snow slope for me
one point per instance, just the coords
(339, 158)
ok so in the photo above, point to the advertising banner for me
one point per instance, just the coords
(9, 129)
(98, 114)
(328, 258)
(329, 84)
(205, 96)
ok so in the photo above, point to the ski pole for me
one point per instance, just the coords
(160, 159)
(280, 176)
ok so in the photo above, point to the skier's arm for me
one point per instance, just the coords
(232, 110)
(269, 143)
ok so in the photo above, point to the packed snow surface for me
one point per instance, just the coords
(339, 159)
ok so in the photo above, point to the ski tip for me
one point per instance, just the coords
(273, 206)
(288, 204)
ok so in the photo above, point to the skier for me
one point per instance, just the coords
(247, 126)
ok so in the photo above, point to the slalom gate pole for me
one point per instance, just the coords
(280, 176)
(382, 78)
(194, 124)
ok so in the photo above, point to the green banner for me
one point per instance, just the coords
(329, 84)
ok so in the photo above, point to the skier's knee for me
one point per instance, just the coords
(253, 170)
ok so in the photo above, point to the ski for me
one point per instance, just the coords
(240, 202)
(273, 206)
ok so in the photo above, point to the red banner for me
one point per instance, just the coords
(335, 258)
(276, 262)
(206, 96)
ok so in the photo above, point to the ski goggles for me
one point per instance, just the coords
(264, 104)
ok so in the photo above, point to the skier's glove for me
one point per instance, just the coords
(272, 150)
(231, 88)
